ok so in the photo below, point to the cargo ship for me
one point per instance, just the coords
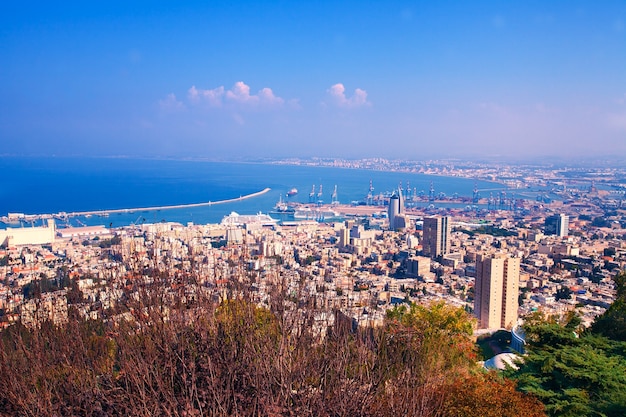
(292, 192)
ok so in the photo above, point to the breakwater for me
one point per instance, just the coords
(132, 210)
(177, 206)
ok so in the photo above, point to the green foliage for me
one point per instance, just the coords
(612, 323)
(490, 230)
(563, 293)
(600, 222)
(444, 332)
(438, 318)
(572, 375)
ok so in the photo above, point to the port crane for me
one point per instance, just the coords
(370, 194)
(333, 198)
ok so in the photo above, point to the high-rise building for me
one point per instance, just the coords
(436, 236)
(395, 211)
(496, 291)
(344, 237)
(557, 225)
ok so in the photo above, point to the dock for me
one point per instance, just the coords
(32, 217)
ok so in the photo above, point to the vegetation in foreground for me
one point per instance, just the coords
(234, 358)
(207, 358)
(577, 372)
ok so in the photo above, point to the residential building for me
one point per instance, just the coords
(436, 240)
(496, 290)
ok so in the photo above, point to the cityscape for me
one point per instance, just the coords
(553, 256)
(499, 261)
(313, 209)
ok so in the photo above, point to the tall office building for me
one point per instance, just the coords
(557, 225)
(395, 211)
(436, 236)
(496, 291)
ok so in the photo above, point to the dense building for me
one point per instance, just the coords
(418, 266)
(436, 241)
(496, 291)
(344, 237)
(557, 225)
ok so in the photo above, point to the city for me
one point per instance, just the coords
(345, 208)
(559, 256)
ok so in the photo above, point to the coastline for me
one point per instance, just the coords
(125, 184)
(171, 207)
(143, 209)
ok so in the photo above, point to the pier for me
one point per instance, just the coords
(31, 217)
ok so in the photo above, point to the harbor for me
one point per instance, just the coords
(18, 218)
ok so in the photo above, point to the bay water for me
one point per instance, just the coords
(46, 185)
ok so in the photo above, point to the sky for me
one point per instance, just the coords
(350, 79)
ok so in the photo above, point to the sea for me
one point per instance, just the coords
(49, 185)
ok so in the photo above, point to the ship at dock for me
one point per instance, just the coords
(282, 207)
(317, 213)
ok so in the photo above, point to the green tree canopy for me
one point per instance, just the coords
(612, 323)
(572, 375)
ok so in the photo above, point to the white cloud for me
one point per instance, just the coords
(213, 97)
(238, 94)
(266, 95)
(338, 94)
(171, 103)
(241, 93)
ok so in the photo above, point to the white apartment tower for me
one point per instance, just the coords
(496, 291)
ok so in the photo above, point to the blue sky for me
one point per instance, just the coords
(348, 79)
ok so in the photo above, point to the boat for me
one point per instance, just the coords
(319, 214)
(292, 192)
(282, 208)
(236, 219)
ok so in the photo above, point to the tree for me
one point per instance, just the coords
(563, 293)
(236, 358)
(612, 323)
(572, 375)
(435, 365)
(473, 395)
